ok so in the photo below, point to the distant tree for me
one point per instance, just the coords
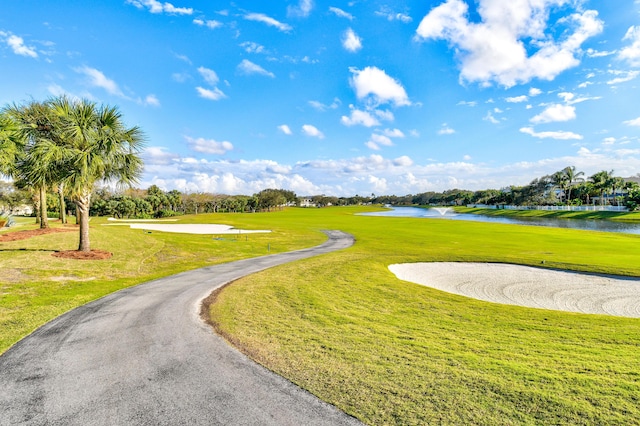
(601, 182)
(271, 198)
(573, 177)
(616, 183)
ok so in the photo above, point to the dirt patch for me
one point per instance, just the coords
(83, 255)
(23, 235)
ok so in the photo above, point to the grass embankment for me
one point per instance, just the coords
(391, 352)
(35, 287)
(587, 215)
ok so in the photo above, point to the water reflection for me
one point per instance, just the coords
(447, 213)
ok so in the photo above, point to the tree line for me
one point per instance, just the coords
(564, 187)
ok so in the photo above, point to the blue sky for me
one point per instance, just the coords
(344, 97)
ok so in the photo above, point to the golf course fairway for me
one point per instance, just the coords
(345, 328)
(392, 352)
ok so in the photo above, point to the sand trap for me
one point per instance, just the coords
(205, 229)
(528, 286)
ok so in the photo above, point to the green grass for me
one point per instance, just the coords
(391, 352)
(342, 326)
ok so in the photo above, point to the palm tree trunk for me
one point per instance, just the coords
(36, 208)
(63, 207)
(44, 221)
(83, 202)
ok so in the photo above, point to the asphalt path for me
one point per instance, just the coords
(143, 356)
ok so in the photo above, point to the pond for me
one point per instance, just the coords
(447, 213)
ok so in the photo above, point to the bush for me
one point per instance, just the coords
(167, 213)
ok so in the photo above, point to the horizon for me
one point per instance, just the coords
(348, 97)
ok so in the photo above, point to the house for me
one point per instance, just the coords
(306, 202)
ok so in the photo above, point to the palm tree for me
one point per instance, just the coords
(98, 147)
(572, 178)
(561, 181)
(11, 144)
(616, 182)
(38, 165)
(601, 182)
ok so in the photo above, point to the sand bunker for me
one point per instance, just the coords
(184, 228)
(528, 286)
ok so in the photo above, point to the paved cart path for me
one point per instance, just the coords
(142, 356)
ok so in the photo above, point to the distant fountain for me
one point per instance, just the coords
(443, 210)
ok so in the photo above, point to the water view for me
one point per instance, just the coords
(450, 214)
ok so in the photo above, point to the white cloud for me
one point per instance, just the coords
(359, 117)
(509, 45)
(303, 9)
(248, 68)
(394, 133)
(372, 145)
(631, 53)
(623, 76)
(209, 146)
(285, 129)
(555, 113)
(490, 118)
(378, 140)
(209, 76)
(446, 130)
(155, 6)
(152, 100)
(634, 122)
(341, 13)
(212, 24)
(157, 155)
(16, 44)
(468, 103)
(375, 84)
(384, 114)
(312, 131)
(184, 58)
(377, 184)
(570, 98)
(180, 77)
(214, 94)
(98, 79)
(534, 92)
(390, 15)
(349, 176)
(403, 161)
(260, 17)
(252, 47)
(592, 53)
(517, 99)
(351, 41)
(561, 135)
(322, 107)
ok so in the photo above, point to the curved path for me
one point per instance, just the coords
(529, 286)
(142, 356)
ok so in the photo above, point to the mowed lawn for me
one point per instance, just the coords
(391, 352)
(342, 326)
